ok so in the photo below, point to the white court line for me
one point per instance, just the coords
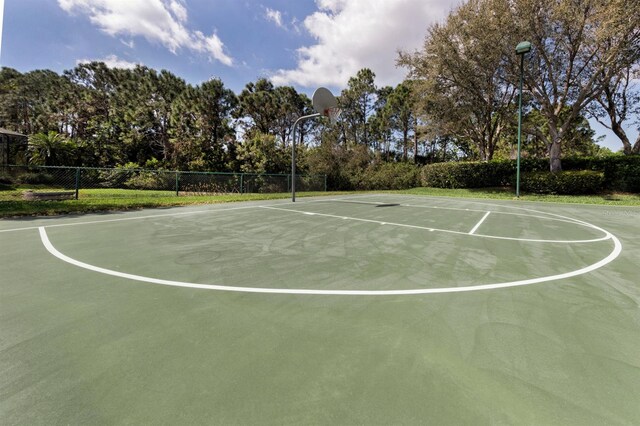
(574, 221)
(353, 201)
(616, 251)
(562, 218)
(403, 225)
(122, 219)
(475, 228)
(216, 210)
(556, 217)
(502, 202)
(125, 219)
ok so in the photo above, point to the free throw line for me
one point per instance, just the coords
(448, 231)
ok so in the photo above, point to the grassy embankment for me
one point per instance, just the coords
(94, 200)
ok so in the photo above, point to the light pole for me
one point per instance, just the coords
(521, 49)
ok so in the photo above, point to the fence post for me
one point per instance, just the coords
(288, 183)
(242, 183)
(77, 181)
(325, 183)
(177, 183)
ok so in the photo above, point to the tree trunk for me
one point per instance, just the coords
(622, 135)
(444, 150)
(483, 152)
(415, 145)
(405, 140)
(555, 150)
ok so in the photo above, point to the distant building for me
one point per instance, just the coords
(13, 147)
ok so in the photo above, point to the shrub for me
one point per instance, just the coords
(107, 178)
(532, 165)
(143, 179)
(623, 173)
(35, 178)
(387, 176)
(563, 183)
(208, 183)
(6, 179)
(468, 174)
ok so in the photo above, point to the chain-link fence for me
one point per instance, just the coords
(104, 182)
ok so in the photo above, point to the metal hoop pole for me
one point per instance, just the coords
(293, 154)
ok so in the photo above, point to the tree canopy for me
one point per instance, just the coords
(581, 49)
(458, 101)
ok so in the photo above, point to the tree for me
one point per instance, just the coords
(461, 71)
(215, 108)
(470, 70)
(341, 163)
(9, 89)
(261, 154)
(201, 121)
(50, 149)
(95, 86)
(572, 56)
(258, 107)
(29, 100)
(141, 111)
(357, 103)
(401, 108)
(272, 110)
(381, 124)
(290, 105)
(619, 101)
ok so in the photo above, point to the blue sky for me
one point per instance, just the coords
(303, 43)
(43, 34)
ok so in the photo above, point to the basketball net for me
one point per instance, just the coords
(333, 114)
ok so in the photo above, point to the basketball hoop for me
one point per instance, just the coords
(333, 114)
(324, 103)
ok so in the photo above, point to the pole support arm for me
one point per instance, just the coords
(293, 153)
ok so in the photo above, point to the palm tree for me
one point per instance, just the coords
(48, 149)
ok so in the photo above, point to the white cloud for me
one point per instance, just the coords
(112, 61)
(274, 16)
(179, 11)
(355, 34)
(160, 21)
(295, 24)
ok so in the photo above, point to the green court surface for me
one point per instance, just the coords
(370, 309)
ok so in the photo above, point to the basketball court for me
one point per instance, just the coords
(375, 309)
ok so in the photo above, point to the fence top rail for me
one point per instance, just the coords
(30, 166)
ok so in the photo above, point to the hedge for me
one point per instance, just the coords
(467, 174)
(563, 183)
(620, 173)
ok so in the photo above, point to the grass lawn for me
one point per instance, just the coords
(621, 199)
(93, 200)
